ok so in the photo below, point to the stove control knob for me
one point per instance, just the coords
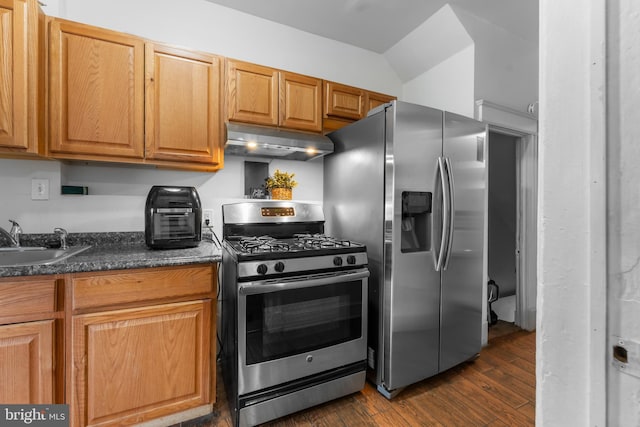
(279, 266)
(262, 269)
(351, 259)
(337, 261)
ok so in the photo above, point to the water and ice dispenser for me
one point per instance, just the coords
(416, 221)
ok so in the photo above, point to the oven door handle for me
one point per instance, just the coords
(264, 287)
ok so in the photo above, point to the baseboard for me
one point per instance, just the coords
(178, 417)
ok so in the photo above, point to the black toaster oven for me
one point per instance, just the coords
(173, 217)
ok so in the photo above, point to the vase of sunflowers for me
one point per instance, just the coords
(280, 185)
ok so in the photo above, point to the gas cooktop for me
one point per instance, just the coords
(267, 247)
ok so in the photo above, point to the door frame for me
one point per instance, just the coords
(524, 126)
(526, 225)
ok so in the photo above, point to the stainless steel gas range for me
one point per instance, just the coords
(294, 310)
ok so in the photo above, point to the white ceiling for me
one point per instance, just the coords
(377, 25)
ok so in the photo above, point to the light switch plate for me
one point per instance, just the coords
(39, 189)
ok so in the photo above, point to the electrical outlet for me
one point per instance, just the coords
(207, 217)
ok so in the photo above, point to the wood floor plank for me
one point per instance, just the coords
(520, 352)
(477, 396)
(395, 418)
(529, 410)
(369, 398)
(476, 411)
(445, 412)
(514, 384)
(519, 369)
(408, 409)
(503, 392)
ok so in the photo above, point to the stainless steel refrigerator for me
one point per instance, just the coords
(409, 181)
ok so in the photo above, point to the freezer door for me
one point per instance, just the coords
(412, 285)
(462, 277)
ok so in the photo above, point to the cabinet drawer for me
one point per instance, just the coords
(27, 296)
(102, 289)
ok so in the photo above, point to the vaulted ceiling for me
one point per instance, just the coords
(377, 25)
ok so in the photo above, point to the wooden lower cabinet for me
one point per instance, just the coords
(138, 364)
(26, 363)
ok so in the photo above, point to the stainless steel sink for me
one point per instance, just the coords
(16, 257)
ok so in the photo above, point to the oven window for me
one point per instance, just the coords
(289, 322)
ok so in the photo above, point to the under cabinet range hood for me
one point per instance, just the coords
(259, 141)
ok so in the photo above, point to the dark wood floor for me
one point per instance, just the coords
(497, 389)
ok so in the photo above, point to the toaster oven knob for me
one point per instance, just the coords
(337, 261)
(279, 266)
(262, 269)
(351, 259)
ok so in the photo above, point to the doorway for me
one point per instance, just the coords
(502, 236)
(512, 225)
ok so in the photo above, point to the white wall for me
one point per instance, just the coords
(624, 207)
(429, 44)
(570, 361)
(117, 193)
(506, 66)
(447, 86)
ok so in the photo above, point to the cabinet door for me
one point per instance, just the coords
(252, 93)
(133, 365)
(375, 99)
(96, 93)
(344, 101)
(26, 363)
(13, 74)
(182, 105)
(300, 102)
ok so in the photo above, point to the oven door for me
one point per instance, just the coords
(295, 327)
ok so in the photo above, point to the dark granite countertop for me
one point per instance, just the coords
(112, 251)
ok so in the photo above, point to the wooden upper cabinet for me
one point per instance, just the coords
(96, 92)
(21, 77)
(182, 105)
(343, 101)
(267, 96)
(252, 93)
(346, 104)
(376, 99)
(300, 102)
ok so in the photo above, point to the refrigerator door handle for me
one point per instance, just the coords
(439, 258)
(451, 216)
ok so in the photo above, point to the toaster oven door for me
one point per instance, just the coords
(175, 224)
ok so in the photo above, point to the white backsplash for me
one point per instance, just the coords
(117, 193)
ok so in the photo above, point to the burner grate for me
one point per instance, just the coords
(263, 244)
(321, 241)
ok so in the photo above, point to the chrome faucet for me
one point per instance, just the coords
(15, 232)
(12, 236)
(63, 237)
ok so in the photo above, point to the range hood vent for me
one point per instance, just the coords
(258, 141)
